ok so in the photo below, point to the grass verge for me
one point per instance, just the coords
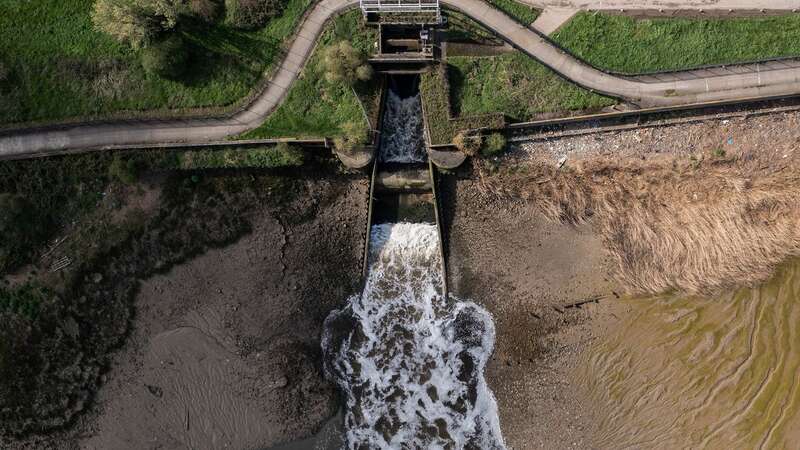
(442, 127)
(516, 85)
(628, 45)
(314, 106)
(59, 67)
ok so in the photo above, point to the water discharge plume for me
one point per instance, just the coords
(409, 361)
(402, 130)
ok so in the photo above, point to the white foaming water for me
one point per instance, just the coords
(401, 138)
(409, 361)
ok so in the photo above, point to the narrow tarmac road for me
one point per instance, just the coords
(734, 86)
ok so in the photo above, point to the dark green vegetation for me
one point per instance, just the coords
(59, 66)
(516, 85)
(60, 190)
(58, 328)
(628, 45)
(317, 106)
(166, 58)
(523, 13)
(281, 155)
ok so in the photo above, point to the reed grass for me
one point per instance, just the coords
(675, 223)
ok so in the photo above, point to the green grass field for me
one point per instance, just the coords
(60, 67)
(315, 107)
(516, 85)
(623, 44)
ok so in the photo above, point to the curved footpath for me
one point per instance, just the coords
(646, 94)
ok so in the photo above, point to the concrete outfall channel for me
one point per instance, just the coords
(88, 136)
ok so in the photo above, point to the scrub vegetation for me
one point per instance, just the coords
(629, 45)
(321, 102)
(59, 65)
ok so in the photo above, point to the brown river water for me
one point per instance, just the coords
(689, 372)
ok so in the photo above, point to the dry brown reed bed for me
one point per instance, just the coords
(673, 223)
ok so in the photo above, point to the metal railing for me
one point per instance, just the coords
(390, 6)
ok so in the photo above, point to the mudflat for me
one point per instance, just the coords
(223, 350)
(531, 274)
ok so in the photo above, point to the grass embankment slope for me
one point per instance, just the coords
(521, 87)
(474, 88)
(60, 67)
(316, 107)
(625, 44)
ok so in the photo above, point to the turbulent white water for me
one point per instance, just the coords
(410, 361)
(402, 135)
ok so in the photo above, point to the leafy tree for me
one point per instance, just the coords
(345, 64)
(494, 144)
(353, 135)
(136, 22)
(468, 143)
(125, 21)
(166, 58)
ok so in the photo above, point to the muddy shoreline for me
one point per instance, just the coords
(223, 348)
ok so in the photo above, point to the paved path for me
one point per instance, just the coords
(726, 87)
(551, 19)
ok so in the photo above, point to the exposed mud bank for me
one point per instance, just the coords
(220, 341)
(526, 271)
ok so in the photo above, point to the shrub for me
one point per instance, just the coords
(353, 135)
(166, 58)
(250, 14)
(19, 231)
(493, 144)
(469, 144)
(4, 71)
(206, 10)
(281, 155)
(345, 64)
(123, 170)
(125, 20)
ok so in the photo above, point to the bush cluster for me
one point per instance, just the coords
(252, 14)
(354, 134)
(493, 144)
(345, 64)
(280, 155)
(18, 230)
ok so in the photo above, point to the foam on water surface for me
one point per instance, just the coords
(409, 361)
(402, 131)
